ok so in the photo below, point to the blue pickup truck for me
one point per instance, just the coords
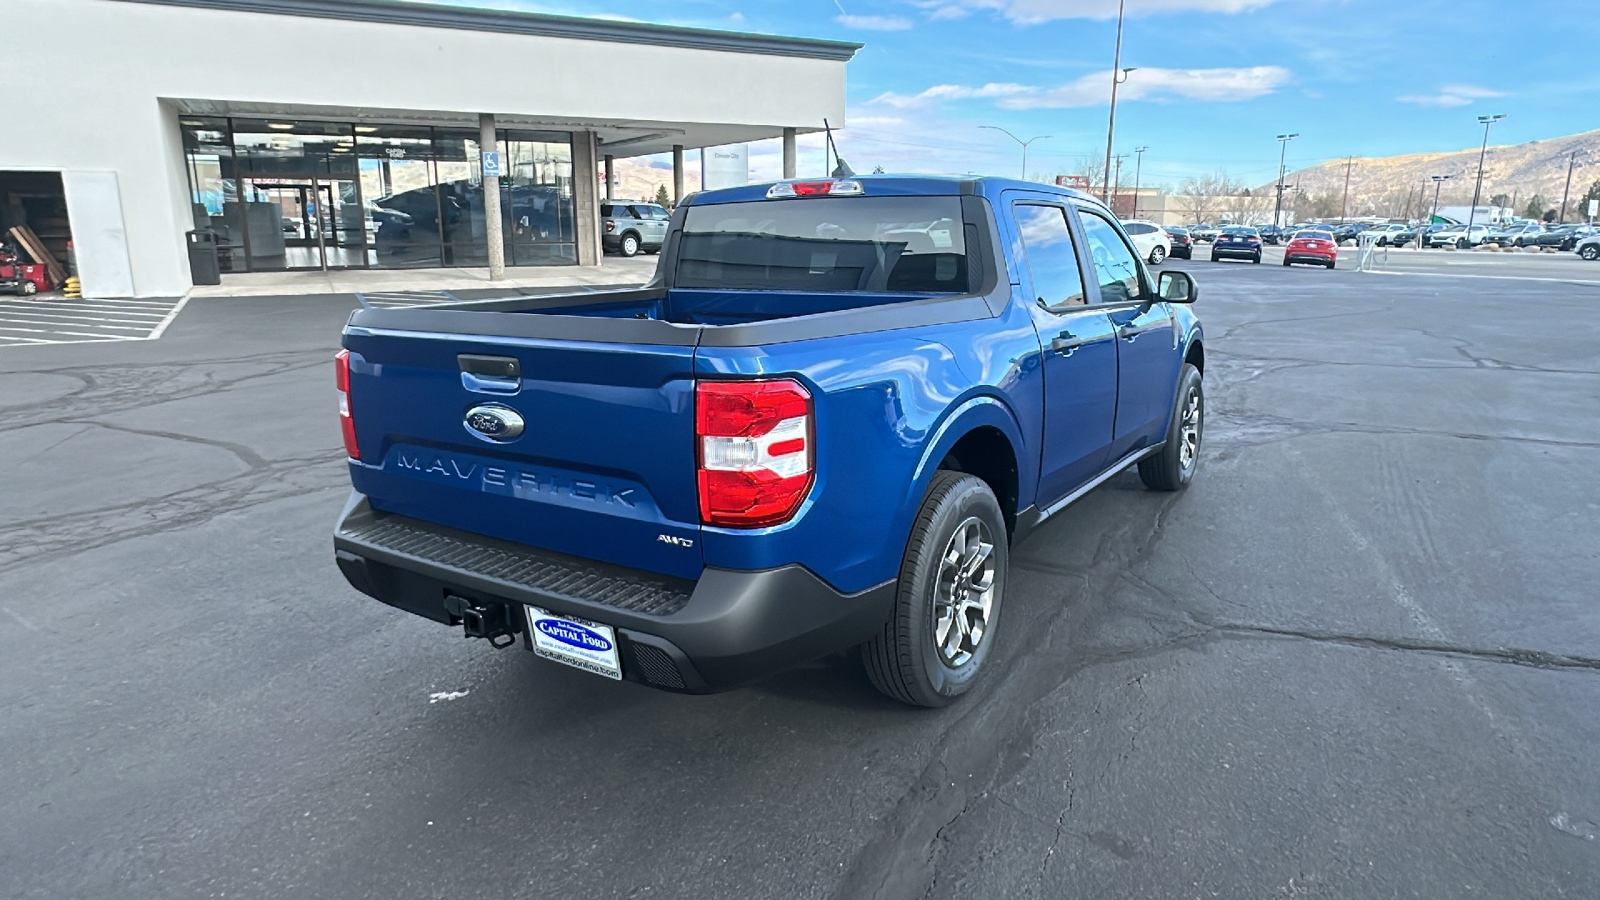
(821, 426)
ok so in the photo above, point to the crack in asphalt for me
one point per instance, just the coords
(1515, 656)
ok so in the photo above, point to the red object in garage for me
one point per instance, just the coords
(34, 273)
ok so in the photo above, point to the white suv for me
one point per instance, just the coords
(1151, 239)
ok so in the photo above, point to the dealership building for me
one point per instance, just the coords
(355, 134)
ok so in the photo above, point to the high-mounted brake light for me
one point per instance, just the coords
(755, 461)
(347, 425)
(835, 188)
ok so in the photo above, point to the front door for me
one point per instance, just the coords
(310, 224)
(1146, 341)
(1079, 358)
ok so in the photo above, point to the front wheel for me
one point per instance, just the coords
(630, 245)
(1157, 255)
(947, 600)
(1172, 467)
(1462, 244)
(1591, 252)
(28, 288)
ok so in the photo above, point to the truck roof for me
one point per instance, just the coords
(899, 186)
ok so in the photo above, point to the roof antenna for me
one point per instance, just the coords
(842, 170)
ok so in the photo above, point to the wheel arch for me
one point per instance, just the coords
(981, 437)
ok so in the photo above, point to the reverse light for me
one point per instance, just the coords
(755, 456)
(347, 425)
(831, 188)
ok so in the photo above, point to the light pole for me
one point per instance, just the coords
(1024, 144)
(1138, 167)
(1283, 155)
(1118, 76)
(1486, 122)
(1116, 183)
(1437, 181)
(1571, 161)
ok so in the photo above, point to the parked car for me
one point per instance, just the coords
(1589, 247)
(1312, 246)
(1348, 231)
(1387, 232)
(1273, 234)
(1182, 243)
(1204, 232)
(1514, 235)
(758, 458)
(1561, 237)
(1409, 235)
(1458, 236)
(629, 228)
(1152, 241)
(1237, 242)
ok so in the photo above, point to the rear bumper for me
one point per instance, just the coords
(1234, 251)
(1310, 257)
(725, 629)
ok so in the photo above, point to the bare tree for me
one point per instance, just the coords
(1092, 168)
(1208, 195)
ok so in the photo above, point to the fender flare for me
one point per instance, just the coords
(974, 412)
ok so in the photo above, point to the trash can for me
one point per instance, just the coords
(204, 267)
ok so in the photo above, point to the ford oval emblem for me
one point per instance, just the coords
(497, 423)
(574, 634)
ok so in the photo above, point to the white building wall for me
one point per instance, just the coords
(90, 98)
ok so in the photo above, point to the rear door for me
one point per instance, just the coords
(1080, 358)
(604, 463)
(1146, 341)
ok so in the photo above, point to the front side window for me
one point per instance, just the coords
(1051, 259)
(1116, 266)
(831, 244)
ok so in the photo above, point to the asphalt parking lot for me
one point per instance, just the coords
(1359, 657)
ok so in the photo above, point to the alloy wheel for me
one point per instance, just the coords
(964, 593)
(1189, 430)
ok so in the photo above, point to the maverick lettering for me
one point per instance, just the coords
(518, 482)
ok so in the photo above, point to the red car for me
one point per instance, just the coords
(1317, 247)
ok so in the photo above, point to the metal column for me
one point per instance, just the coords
(493, 232)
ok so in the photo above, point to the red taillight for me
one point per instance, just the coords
(347, 425)
(611, 226)
(755, 456)
(810, 188)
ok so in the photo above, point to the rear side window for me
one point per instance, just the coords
(1050, 257)
(830, 244)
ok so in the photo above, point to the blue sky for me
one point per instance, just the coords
(1216, 79)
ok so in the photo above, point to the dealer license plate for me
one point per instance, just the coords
(581, 644)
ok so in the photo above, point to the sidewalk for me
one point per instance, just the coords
(613, 270)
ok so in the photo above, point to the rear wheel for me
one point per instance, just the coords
(1461, 244)
(1157, 255)
(1172, 467)
(947, 601)
(1330, 263)
(1256, 259)
(1591, 252)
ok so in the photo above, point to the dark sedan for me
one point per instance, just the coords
(1561, 237)
(1182, 244)
(1237, 242)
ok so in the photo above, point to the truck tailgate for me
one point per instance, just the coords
(604, 467)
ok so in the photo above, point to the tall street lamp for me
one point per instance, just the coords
(1283, 155)
(1437, 180)
(1118, 76)
(1486, 122)
(1024, 144)
(1138, 166)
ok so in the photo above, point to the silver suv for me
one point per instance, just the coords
(630, 227)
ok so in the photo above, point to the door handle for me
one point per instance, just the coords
(1065, 343)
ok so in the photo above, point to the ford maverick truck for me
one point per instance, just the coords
(821, 426)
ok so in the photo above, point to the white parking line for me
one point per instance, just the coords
(34, 321)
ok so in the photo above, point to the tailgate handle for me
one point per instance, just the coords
(492, 374)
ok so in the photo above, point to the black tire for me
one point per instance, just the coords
(1256, 259)
(629, 244)
(1167, 470)
(905, 660)
(1330, 263)
(1157, 255)
(1517, 242)
(1591, 252)
(1286, 262)
(1462, 244)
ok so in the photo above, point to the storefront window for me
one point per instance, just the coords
(292, 194)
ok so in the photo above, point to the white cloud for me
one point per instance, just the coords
(949, 92)
(1452, 95)
(1095, 88)
(1032, 12)
(874, 23)
(1152, 83)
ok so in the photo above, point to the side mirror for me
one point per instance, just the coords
(1177, 287)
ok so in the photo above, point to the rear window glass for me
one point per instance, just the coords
(833, 244)
(1239, 229)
